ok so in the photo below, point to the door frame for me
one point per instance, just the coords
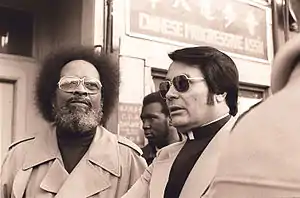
(11, 70)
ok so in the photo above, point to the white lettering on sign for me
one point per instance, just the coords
(193, 33)
(198, 33)
(251, 23)
(230, 15)
(254, 46)
(160, 25)
(206, 9)
(146, 22)
(183, 3)
(153, 3)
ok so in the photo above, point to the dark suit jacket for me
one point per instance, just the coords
(149, 153)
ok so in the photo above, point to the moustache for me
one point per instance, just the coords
(79, 100)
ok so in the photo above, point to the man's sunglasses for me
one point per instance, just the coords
(181, 83)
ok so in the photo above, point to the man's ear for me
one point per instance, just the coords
(220, 97)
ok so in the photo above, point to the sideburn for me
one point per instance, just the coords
(210, 98)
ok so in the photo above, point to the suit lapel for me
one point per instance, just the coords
(205, 168)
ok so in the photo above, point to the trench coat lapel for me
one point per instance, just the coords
(85, 180)
(92, 174)
(55, 177)
(20, 183)
(45, 149)
(205, 168)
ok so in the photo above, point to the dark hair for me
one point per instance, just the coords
(155, 97)
(49, 76)
(219, 70)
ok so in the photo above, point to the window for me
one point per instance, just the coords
(16, 32)
(249, 95)
(158, 76)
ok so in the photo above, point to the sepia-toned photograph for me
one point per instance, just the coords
(149, 98)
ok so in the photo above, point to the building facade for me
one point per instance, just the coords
(29, 30)
(139, 34)
(144, 32)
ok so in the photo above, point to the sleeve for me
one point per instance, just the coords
(141, 187)
(12, 163)
(138, 166)
(6, 176)
(134, 160)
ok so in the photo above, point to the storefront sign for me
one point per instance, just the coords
(130, 124)
(230, 25)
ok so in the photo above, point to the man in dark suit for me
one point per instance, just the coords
(201, 91)
(157, 126)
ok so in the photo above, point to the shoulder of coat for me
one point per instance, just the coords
(21, 141)
(124, 141)
(171, 149)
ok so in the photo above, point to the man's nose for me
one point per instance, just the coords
(80, 90)
(146, 125)
(172, 93)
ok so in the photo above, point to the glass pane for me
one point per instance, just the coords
(16, 32)
(248, 98)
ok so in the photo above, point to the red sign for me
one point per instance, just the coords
(130, 124)
(229, 25)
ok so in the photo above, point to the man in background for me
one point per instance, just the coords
(157, 126)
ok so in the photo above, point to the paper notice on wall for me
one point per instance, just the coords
(130, 124)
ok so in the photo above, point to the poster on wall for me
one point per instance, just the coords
(130, 124)
(237, 27)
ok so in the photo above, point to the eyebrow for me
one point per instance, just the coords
(178, 75)
(149, 115)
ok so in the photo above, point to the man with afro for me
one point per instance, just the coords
(76, 92)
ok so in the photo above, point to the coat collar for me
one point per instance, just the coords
(104, 146)
(43, 149)
(102, 156)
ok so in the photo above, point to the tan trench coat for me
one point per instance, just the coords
(34, 168)
(153, 181)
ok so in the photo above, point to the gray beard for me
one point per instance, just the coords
(77, 120)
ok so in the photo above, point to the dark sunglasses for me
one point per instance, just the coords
(181, 83)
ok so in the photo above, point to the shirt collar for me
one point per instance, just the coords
(215, 120)
(209, 128)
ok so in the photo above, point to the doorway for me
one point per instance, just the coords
(7, 95)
